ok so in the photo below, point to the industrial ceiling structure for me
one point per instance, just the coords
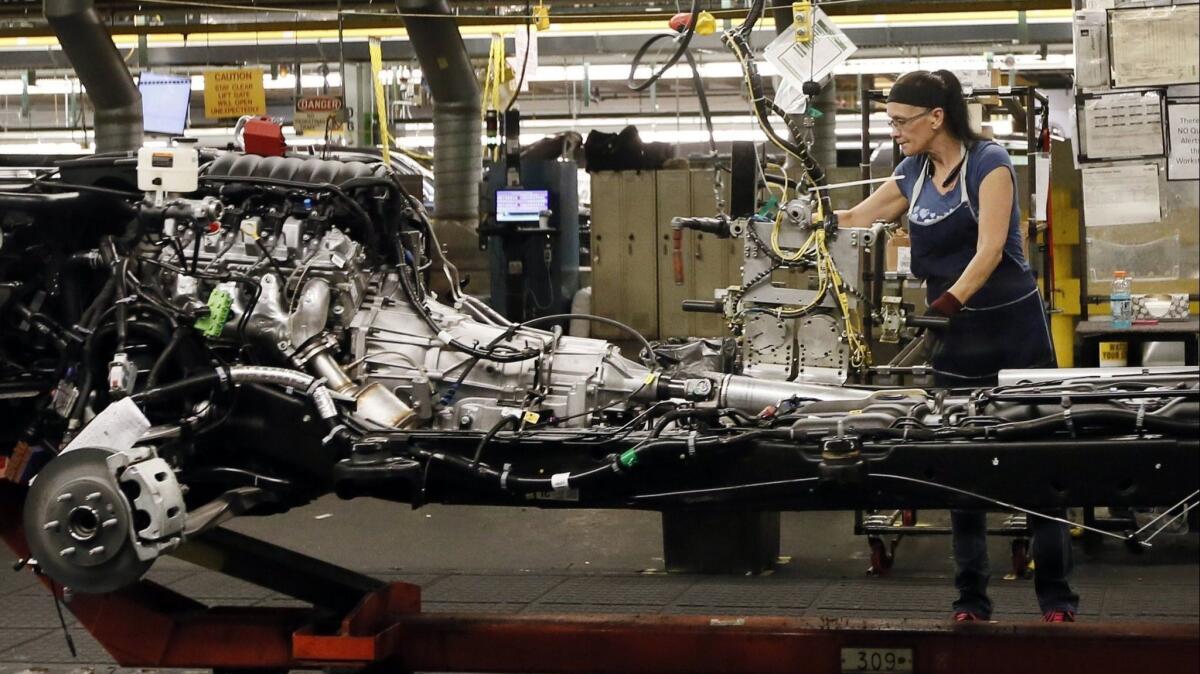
(583, 57)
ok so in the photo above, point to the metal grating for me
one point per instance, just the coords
(617, 590)
(490, 588)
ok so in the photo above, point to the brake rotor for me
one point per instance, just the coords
(78, 524)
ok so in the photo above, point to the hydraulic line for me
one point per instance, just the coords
(1005, 505)
(1168, 511)
(721, 490)
(1187, 509)
(680, 49)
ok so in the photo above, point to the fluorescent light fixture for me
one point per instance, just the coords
(616, 72)
(61, 86)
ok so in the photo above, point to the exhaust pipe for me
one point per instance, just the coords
(457, 154)
(91, 51)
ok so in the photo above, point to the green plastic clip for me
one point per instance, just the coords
(219, 303)
(629, 458)
(769, 207)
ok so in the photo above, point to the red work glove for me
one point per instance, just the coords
(947, 305)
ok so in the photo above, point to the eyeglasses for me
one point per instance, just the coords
(897, 123)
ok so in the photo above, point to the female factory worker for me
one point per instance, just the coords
(958, 191)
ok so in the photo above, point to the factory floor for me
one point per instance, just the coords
(535, 561)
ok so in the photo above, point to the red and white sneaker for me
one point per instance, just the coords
(1058, 616)
(965, 617)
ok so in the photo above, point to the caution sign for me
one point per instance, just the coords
(233, 93)
(1114, 354)
(317, 114)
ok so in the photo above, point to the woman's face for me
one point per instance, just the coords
(913, 127)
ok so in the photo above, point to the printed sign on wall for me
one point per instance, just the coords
(233, 93)
(313, 114)
(1183, 118)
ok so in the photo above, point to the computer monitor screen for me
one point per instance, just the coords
(521, 205)
(165, 100)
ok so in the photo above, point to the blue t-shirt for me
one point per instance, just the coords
(955, 246)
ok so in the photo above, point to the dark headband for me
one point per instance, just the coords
(921, 95)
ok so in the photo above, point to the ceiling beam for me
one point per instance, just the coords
(363, 15)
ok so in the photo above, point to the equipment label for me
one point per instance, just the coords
(877, 660)
(233, 93)
(313, 115)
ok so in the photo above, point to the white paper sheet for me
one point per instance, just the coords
(798, 63)
(1123, 126)
(1155, 46)
(117, 428)
(521, 36)
(1042, 167)
(1120, 195)
(974, 79)
(1076, 145)
(1090, 36)
(1183, 122)
(790, 99)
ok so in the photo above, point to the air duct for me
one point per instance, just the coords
(91, 51)
(457, 154)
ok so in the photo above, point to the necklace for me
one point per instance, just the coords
(953, 172)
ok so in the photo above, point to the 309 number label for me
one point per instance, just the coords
(899, 660)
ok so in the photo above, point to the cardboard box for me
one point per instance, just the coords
(898, 254)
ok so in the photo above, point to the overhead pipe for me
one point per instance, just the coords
(95, 58)
(457, 153)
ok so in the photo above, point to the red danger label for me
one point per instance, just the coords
(319, 104)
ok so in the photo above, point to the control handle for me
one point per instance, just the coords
(704, 306)
(931, 322)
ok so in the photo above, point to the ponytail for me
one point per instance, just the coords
(958, 120)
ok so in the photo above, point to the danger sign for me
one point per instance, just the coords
(319, 104)
(233, 93)
(314, 112)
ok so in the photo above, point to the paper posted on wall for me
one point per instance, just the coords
(1120, 195)
(1041, 166)
(1090, 38)
(1154, 46)
(1123, 126)
(1183, 122)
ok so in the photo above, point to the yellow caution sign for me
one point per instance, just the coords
(541, 17)
(233, 93)
(1114, 354)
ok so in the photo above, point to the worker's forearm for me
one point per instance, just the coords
(976, 274)
(850, 218)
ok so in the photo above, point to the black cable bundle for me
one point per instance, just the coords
(738, 41)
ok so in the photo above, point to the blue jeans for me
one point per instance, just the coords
(1051, 556)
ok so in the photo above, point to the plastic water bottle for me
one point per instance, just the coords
(1121, 300)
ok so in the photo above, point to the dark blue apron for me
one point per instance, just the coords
(1003, 326)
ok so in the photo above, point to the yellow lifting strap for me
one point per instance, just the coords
(375, 46)
(498, 74)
